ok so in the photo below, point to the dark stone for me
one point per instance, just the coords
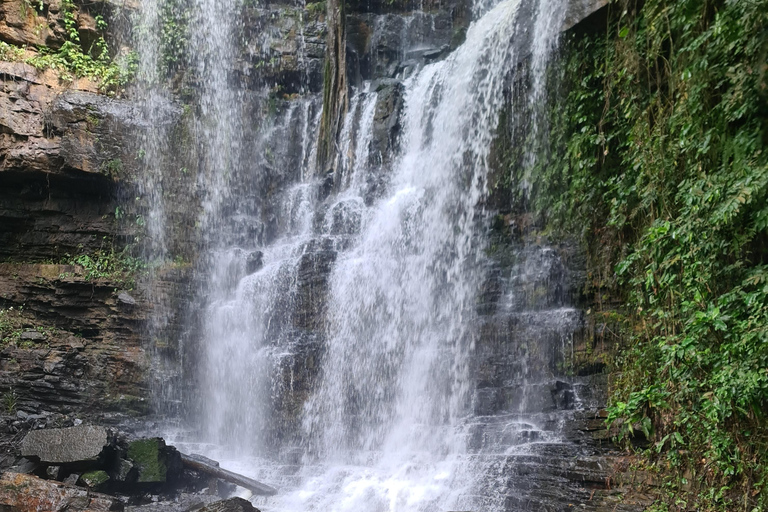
(83, 443)
(25, 466)
(563, 395)
(53, 472)
(254, 261)
(230, 505)
(122, 470)
(486, 401)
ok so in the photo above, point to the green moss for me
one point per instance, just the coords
(146, 456)
(94, 479)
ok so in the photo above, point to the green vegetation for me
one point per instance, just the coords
(93, 479)
(73, 60)
(174, 35)
(10, 401)
(113, 168)
(146, 454)
(13, 325)
(656, 158)
(10, 53)
(119, 266)
(316, 8)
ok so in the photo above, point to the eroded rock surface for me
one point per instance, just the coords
(23, 493)
(65, 445)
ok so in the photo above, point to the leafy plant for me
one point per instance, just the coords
(10, 53)
(109, 264)
(95, 62)
(657, 158)
(10, 401)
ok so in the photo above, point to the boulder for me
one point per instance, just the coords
(155, 462)
(19, 492)
(82, 443)
(230, 505)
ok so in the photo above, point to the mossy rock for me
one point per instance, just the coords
(147, 457)
(93, 479)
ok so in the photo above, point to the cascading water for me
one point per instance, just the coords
(356, 309)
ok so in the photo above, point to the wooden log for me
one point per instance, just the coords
(210, 467)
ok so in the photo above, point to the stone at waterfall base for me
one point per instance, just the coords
(91, 468)
(230, 505)
(83, 443)
(22, 493)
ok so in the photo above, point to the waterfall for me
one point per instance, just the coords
(340, 326)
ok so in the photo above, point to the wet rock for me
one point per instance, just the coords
(230, 505)
(92, 360)
(93, 479)
(254, 261)
(486, 401)
(563, 395)
(20, 492)
(83, 443)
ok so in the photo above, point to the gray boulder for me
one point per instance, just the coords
(65, 445)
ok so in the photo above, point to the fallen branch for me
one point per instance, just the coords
(208, 467)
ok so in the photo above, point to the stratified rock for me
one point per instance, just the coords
(94, 479)
(230, 505)
(65, 445)
(23, 493)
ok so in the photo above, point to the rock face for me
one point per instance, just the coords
(65, 445)
(90, 360)
(75, 345)
(22, 493)
(70, 331)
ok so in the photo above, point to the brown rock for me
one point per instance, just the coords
(22, 493)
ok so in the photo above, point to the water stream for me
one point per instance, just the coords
(341, 337)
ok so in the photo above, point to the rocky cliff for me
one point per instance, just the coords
(83, 314)
(71, 315)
